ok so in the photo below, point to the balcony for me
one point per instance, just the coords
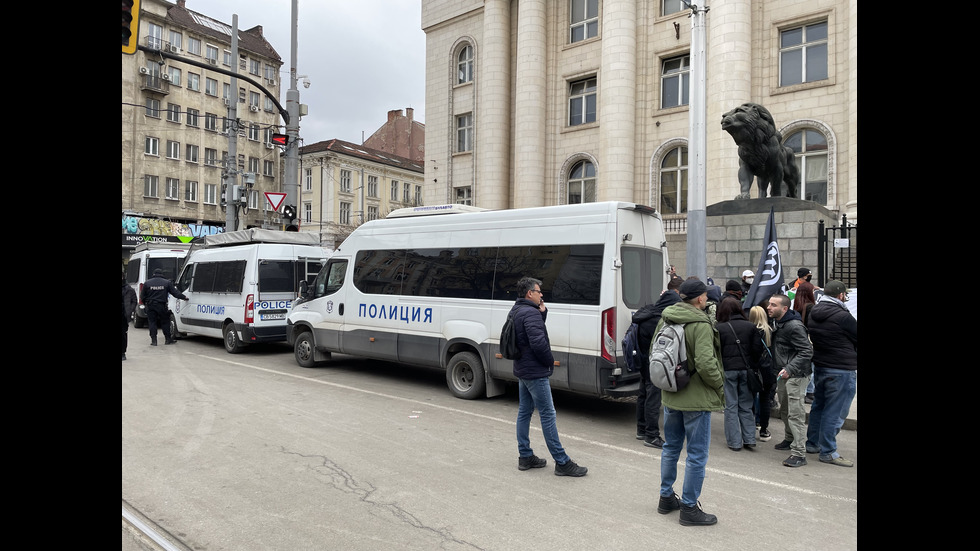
(154, 82)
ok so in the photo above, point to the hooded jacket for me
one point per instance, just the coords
(536, 360)
(706, 391)
(791, 348)
(833, 331)
(647, 318)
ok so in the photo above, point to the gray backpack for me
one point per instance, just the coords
(668, 358)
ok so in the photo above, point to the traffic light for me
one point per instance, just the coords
(289, 218)
(280, 139)
(130, 25)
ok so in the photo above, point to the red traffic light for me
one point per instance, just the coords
(280, 139)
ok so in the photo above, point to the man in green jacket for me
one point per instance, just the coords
(687, 412)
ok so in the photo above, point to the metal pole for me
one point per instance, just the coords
(291, 181)
(231, 165)
(697, 264)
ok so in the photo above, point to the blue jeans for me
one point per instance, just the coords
(739, 418)
(536, 393)
(696, 427)
(831, 397)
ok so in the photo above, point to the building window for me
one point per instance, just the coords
(192, 117)
(151, 185)
(464, 133)
(210, 156)
(192, 151)
(418, 195)
(345, 181)
(307, 212)
(173, 149)
(584, 19)
(254, 66)
(394, 190)
(270, 73)
(211, 54)
(582, 102)
(194, 82)
(211, 87)
(803, 54)
(194, 45)
(154, 37)
(581, 183)
(308, 179)
(810, 149)
(174, 74)
(153, 108)
(269, 106)
(408, 192)
(267, 168)
(675, 82)
(344, 212)
(253, 132)
(372, 213)
(673, 182)
(253, 100)
(152, 146)
(210, 122)
(464, 196)
(253, 199)
(176, 39)
(226, 92)
(173, 189)
(190, 191)
(226, 58)
(464, 65)
(668, 7)
(211, 194)
(173, 112)
(372, 186)
(253, 165)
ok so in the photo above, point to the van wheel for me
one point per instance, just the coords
(232, 343)
(304, 350)
(173, 327)
(465, 376)
(138, 322)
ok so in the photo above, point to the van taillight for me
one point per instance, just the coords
(250, 309)
(607, 335)
(140, 294)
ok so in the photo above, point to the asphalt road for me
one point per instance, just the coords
(252, 452)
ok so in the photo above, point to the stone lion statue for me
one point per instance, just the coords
(761, 154)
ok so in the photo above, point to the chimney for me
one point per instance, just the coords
(410, 113)
(394, 113)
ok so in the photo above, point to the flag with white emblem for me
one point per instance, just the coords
(769, 275)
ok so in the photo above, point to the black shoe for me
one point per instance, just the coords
(171, 341)
(738, 449)
(795, 461)
(124, 356)
(694, 516)
(750, 447)
(569, 469)
(784, 445)
(668, 504)
(640, 435)
(530, 462)
(153, 342)
(654, 443)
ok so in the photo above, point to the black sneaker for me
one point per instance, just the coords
(668, 504)
(750, 447)
(694, 516)
(795, 461)
(641, 435)
(530, 462)
(764, 435)
(784, 445)
(654, 443)
(569, 469)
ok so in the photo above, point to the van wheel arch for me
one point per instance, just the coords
(233, 344)
(304, 348)
(466, 375)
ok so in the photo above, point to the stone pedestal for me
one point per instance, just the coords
(735, 230)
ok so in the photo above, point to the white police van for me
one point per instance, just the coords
(432, 286)
(144, 260)
(241, 285)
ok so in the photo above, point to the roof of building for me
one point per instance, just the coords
(250, 40)
(361, 152)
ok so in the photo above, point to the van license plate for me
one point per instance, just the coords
(273, 317)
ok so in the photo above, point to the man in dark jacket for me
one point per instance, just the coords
(128, 307)
(833, 331)
(792, 353)
(155, 291)
(648, 400)
(533, 370)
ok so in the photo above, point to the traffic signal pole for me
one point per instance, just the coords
(291, 181)
(230, 173)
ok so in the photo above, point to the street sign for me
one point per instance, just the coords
(275, 199)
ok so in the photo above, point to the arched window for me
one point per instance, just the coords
(581, 183)
(810, 148)
(464, 65)
(673, 181)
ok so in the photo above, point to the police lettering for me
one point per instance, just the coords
(403, 313)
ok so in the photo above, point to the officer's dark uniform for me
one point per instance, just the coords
(155, 291)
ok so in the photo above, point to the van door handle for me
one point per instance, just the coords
(340, 309)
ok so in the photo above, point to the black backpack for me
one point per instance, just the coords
(508, 340)
(631, 349)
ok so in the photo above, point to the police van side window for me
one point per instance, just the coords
(330, 280)
(185, 278)
(569, 274)
(133, 271)
(168, 265)
(379, 274)
(203, 281)
(229, 276)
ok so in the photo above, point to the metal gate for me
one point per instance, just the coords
(837, 253)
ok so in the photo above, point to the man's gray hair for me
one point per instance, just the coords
(526, 284)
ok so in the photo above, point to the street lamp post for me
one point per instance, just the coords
(697, 263)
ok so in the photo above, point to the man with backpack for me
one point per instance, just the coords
(687, 412)
(648, 400)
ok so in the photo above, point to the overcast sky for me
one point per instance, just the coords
(363, 58)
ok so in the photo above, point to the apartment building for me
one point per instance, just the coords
(541, 102)
(343, 185)
(181, 115)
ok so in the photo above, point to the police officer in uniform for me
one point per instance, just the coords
(155, 292)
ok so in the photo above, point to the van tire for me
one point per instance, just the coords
(138, 322)
(232, 343)
(174, 333)
(304, 350)
(465, 376)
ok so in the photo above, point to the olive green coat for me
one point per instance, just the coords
(706, 391)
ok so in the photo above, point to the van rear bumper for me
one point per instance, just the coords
(251, 334)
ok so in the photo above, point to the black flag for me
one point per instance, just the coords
(769, 275)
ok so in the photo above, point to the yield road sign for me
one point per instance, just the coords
(275, 199)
